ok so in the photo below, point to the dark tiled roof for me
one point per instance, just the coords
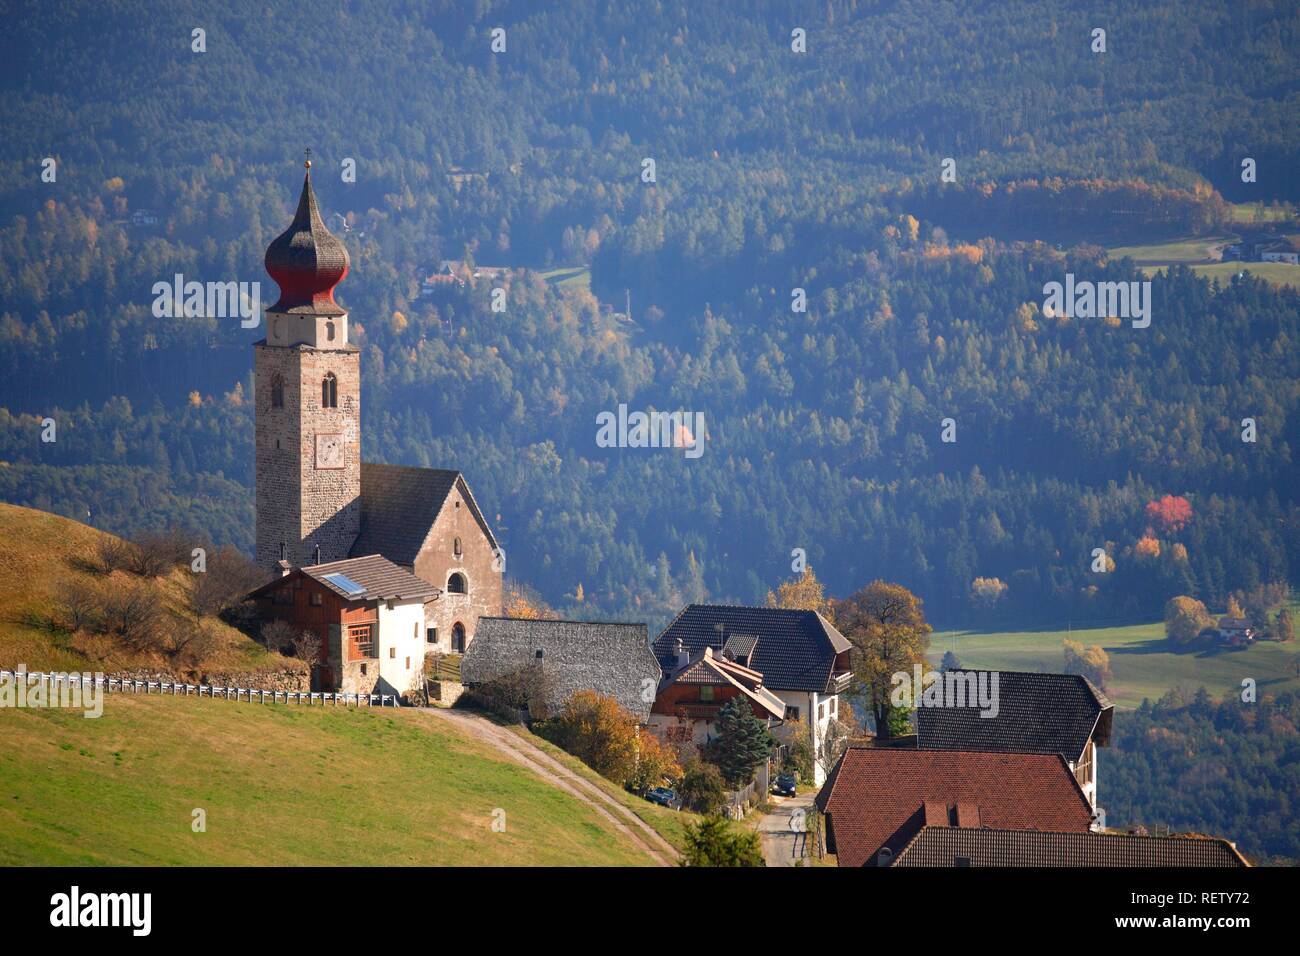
(795, 649)
(399, 505)
(875, 797)
(382, 579)
(945, 845)
(611, 659)
(1037, 713)
(307, 261)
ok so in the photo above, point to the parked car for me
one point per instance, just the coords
(785, 785)
(663, 796)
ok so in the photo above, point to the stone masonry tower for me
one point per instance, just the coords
(308, 394)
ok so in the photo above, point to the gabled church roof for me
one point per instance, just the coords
(400, 504)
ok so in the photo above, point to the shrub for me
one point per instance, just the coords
(222, 586)
(702, 787)
(278, 636)
(655, 764)
(716, 842)
(600, 733)
(155, 553)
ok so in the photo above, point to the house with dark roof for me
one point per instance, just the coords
(550, 660)
(317, 502)
(369, 615)
(962, 845)
(1235, 631)
(688, 698)
(803, 659)
(1036, 714)
(876, 799)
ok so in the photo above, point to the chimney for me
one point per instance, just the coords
(679, 650)
(285, 568)
(316, 555)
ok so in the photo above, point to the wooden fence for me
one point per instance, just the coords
(250, 695)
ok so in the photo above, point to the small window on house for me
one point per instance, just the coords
(415, 630)
(277, 393)
(456, 584)
(408, 663)
(792, 713)
(706, 692)
(392, 653)
(538, 654)
(431, 635)
(456, 548)
(835, 706)
(329, 392)
(315, 599)
(363, 670)
(821, 711)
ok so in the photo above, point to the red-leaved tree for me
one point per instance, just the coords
(1169, 514)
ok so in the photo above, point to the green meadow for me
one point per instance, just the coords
(278, 785)
(1141, 660)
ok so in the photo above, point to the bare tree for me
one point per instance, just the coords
(115, 554)
(222, 586)
(834, 742)
(132, 613)
(307, 646)
(82, 606)
(278, 636)
(155, 553)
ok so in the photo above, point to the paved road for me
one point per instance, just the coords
(782, 831)
(519, 749)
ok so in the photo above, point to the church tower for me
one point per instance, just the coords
(308, 394)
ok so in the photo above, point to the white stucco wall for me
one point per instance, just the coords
(400, 645)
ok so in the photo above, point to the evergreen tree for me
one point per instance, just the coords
(742, 742)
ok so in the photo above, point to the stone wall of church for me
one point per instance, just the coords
(438, 561)
(299, 503)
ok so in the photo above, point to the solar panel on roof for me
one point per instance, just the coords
(345, 583)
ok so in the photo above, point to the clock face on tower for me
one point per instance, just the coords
(329, 451)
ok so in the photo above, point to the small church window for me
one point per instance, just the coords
(329, 392)
(458, 638)
(277, 392)
(456, 584)
(456, 548)
(431, 635)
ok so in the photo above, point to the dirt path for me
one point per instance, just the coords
(551, 770)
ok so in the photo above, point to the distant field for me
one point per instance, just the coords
(280, 785)
(1248, 212)
(1197, 249)
(1140, 659)
(1276, 273)
(569, 277)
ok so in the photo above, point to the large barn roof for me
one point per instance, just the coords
(562, 657)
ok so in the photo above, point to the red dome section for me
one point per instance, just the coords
(307, 261)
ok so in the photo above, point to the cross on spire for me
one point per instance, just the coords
(307, 153)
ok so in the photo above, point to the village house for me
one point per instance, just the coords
(1235, 631)
(689, 697)
(317, 502)
(877, 799)
(1061, 714)
(803, 661)
(369, 615)
(548, 661)
(945, 844)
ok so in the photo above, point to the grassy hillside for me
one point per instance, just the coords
(1140, 659)
(280, 785)
(41, 557)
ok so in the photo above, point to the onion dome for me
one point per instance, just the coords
(307, 260)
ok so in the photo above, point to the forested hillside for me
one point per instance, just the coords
(774, 170)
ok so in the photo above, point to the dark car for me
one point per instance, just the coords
(785, 785)
(662, 796)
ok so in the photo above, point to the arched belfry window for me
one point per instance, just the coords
(456, 584)
(277, 391)
(329, 392)
(329, 331)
